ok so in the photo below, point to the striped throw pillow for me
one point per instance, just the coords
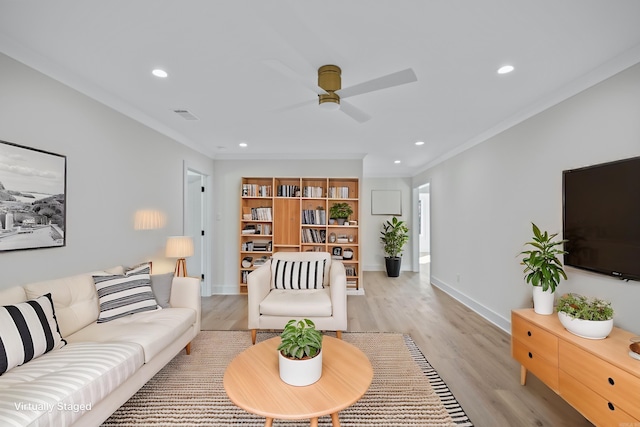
(122, 295)
(27, 330)
(297, 274)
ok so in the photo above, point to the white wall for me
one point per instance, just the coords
(114, 167)
(226, 189)
(483, 200)
(373, 259)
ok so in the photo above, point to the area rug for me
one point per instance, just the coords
(405, 391)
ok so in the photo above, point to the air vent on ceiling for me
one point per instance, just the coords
(186, 114)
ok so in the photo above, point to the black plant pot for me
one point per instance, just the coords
(393, 266)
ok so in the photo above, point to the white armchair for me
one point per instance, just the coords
(293, 285)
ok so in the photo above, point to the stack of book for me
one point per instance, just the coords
(311, 235)
(261, 214)
(288, 191)
(314, 216)
(310, 191)
(338, 192)
(255, 190)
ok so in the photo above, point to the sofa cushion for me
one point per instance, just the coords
(59, 387)
(153, 330)
(27, 330)
(297, 274)
(303, 303)
(123, 295)
(74, 298)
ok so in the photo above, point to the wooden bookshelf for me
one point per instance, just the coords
(298, 221)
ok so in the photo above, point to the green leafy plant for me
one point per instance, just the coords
(394, 236)
(542, 266)
(300, 340)
(340, 210)
(581, 307)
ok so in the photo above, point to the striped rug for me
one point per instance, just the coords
(406, 390)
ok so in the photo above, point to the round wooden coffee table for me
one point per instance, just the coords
(253, 383)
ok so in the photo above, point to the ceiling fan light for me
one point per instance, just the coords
(329, 105)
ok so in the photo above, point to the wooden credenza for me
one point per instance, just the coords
(597, 377)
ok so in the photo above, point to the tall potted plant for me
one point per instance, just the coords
(394, 236)
(543, 269)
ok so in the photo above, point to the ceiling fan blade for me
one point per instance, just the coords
(278, 66)
(295, 106)
(354, 112)
(390, 80)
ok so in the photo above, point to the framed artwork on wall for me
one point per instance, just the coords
(32, 198)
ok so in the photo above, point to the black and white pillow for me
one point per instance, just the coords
(27, 330)
(297, 274)
(122, 295)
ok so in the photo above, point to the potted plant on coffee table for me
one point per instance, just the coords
(543, 269)
(300, 353)
(394, 236)
(585, 317)
(340, 212)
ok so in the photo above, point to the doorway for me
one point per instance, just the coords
(195, 225)
(424, 229)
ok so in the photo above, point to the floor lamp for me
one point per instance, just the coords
(180, 247)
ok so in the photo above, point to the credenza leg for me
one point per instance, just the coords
(523, 375)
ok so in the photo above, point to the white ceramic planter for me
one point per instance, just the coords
(543, 300)
(300, 372)
(591, 329)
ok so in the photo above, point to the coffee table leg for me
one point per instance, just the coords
(268, 422)
(335, 420)
(314, 422)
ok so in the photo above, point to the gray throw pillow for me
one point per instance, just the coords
(161, 286)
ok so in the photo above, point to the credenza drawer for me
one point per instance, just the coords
(535, 363)
(536, 338)
(612, 383)
(595, 408)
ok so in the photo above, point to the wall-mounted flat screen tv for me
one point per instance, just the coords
(601, 218)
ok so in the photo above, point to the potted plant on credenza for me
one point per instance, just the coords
(590, 318)
(394, 236)
(543, 269)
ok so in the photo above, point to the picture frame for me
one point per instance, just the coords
(386, 202)
(337, 251)
(33, 205)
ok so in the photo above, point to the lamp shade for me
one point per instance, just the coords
(149, 219)
(179, 247)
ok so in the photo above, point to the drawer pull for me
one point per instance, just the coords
(610, 405)
(611, 381)
(529, 333)
(530, 355)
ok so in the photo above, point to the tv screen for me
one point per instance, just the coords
(601, 218)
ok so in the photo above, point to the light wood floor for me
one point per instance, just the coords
(470, 354)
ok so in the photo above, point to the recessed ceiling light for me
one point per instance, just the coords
(243, 144)
(420, 143)
(159, 73)
(505, 69)
(396, 161)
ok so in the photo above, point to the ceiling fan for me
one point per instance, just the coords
(329, 89)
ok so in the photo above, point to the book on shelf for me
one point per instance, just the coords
(312, 235)
(249, 229)
(338, 192)
(256, 190)
(261, 214)
(314, 216)
(288, 191)
(350, 270)
(312, 191)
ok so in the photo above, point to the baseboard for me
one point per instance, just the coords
(490, 315)
(224, 290)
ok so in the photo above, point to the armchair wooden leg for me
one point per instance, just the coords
(253, 336)
(339, 335)
(188, 348)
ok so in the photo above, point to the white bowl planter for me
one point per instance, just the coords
(300, 372)
(591, 329)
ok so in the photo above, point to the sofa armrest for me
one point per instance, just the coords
(338, 289)
(185, 293)
(258, 287)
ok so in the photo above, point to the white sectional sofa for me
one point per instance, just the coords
(103, 363)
